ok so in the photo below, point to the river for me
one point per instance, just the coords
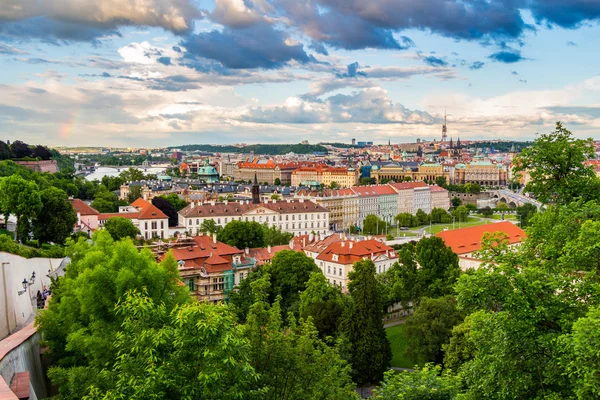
(104, 171)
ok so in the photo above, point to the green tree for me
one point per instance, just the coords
(56, 219)
(406, 219)
(525, 213)
(555, 163)
(273, 236)
(324, 303)
(440, 216)
(334, 185)
(112, 183)
(81, 325)
(461, 213)
(177, 354)
(430, 327)
(486, 211)
(455, 202)
(242, 234)
(502, 206)
(5, 153)
(427, 384)
(132, 175)
(135, 192)
(105, 201)
(441, 181)
(373, 225)
(370, 352)
(120, 228)
(22, 199)
(422, 217)
(210, 226)
(176, 201)
(472, 188)
(166, 207)
(277, 182)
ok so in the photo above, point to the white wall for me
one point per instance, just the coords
(16, 309)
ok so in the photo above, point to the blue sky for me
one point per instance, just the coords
(169, 72)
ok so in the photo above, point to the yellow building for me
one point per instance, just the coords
(343, 177)
(341, 203)
(399, 173)
(483, 173)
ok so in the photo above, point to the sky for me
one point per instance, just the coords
(147, 73)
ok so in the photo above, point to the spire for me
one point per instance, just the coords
(444, 129)
(255, 180)
(255, 191)
(450, 141)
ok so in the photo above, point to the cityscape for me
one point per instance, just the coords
(248, 199)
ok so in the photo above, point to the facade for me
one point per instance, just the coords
(406, 195)
(337, 259)
(87, 217)
(210, 268)
(204, 170)
(422, 200)
(440, 197)
(151, 222)
(341, 203)
(298, 217)
(368, 203)
(343, 177)
(405, 171)
(483, 173)
(227, 169)
(466, 241)
(267, 170)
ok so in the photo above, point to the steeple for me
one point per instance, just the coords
(450, 141)
(255, 191)
(389, 142)
(458, 143)
(444, 129)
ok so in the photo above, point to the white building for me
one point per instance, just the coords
(422, 199)
(298, 217)
(144, 215)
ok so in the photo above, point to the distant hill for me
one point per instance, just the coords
(268, 149)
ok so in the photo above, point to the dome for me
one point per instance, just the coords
(375, 167)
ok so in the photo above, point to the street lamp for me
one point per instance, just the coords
(26, 283)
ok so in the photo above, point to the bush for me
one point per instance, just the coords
(8, 246)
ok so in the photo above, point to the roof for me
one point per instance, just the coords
(436, 188)
(234, 208)
(82, 207)
(349, 252)
(263, 255)
(407, 185)
(467, 240)
(373, 190)
(213, 256)
(148, 210)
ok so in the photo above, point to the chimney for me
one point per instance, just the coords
(266, 201)
(343, 243)
(214, 238)
(311, 237)
(291, 244)
(193, 204)
(226, 202)
(247, 250)
(269, 249)
(350, 244)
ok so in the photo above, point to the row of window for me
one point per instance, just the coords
(154, 225)
(260, 218)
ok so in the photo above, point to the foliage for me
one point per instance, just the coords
(132, 175)
(370, 351)
(440, 216)
(7, 245)
(430, 327)
(367, 181)
(210, 226)
(555, 164)
(56, 219)
(166, 207)
(455, 201)
(106, 201)
(525, 213)
(373, 225)
(266, 149)
(473, 188)
(273, 236)
(422, 217)
(112, 183)
(176, 201)
(426, 384)
(120, 228)
(81, 323)
(135, 192)
(22, 199)
(441, 181)
(461, 213)
(194, 351)
(486, 211)
(406, 219)
(242, 234)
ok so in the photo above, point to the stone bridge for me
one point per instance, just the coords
(512, 199)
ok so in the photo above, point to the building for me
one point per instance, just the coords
(203, 170)
(386, 201)
(298, 217)
(87, 217)
(209, 268)
(338, 259)
(368, 203)
(421, 200)
(341, 203)
(406, 195)
(49, 166)
(400, 172)
(267, 171)
(151, 222)
(466, 241)
(440, 197)
(343, 177)
(227, 169)
(484, 173)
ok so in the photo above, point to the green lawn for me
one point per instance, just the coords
(471, 221)
(398, 233)
(397, 339)
(506, 217)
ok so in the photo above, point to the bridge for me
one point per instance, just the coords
(513, 199)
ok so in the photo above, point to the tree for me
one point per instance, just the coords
(56, 219)
(406, 219)
(273, 236)
(461, 213)
(471, 207)
(370, 351)
(20, 149)
(472, 188)
(440, 216)
(5, 153)
(120, 228)
(41, 152)
(210, 226)
(367, 181)
(555, 164)
(334, 185)
(441, 181)
(292, 362)
(154, 360)
(177, 202)
(430, 327)
(132, 175)
(135, 192)
(22, 199)
(105, 201)
(525, 213)
(242, 234)
(166, 207)
(502, 206)
(81, 327)
(112, 183)
(426, 384)
(486, 211)
(274, 196)
(277, 182)
(455, 202)
(422, 217)
(374, 225)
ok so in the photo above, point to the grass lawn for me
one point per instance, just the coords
(397, 339)
(506, 217)
(398, 233)
(471, 221)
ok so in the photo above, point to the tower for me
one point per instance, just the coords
(450, 141)
(255, 191)
(444, 129)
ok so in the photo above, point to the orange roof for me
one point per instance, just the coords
(373, 190)
(148, 210)
(262, 254)
(436, 188)
(408, 185)
(467, 240)
(82, 207)
(349, 252)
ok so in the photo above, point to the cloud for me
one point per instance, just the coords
(477, 65)
(164, 60)
(566, 14)
(60, 21)
(571, 43)
(435, 61)
(370, 105)
(514, 73)
(507, 57)
(235, 13)
(590, 111)
(352, 71)
(258, 46)
(9, 50)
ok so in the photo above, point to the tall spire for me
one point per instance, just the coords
(255, 191)
(444, 129)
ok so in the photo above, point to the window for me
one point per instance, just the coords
(219, 221)
(305, 217)
(341, 271)
(146, 225)
(197, 222)
(286, 217)
(334, 270)
(225, 221)
(329, 269)
(293, 217)
(162, 224)
(273, 218)
(154, 225)
(190, 285)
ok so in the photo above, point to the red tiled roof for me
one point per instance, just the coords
(467, 240)
(373, 190)
(237, 209)
(349, 252)
(408, 185)
(262, 254)
(82, 207)
(148, 210)
(436, 188)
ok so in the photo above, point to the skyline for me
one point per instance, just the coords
(174, 72)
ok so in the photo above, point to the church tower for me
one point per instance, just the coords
(255, 191)
(444, 129)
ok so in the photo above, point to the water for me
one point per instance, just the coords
(105, 171)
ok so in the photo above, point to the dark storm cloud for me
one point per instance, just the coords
(507, 57)
(565, 13)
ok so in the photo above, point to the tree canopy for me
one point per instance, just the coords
(120, 228)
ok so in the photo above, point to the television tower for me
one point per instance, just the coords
(444, 129)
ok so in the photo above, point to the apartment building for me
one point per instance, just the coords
(151, 222)
(341, 203)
